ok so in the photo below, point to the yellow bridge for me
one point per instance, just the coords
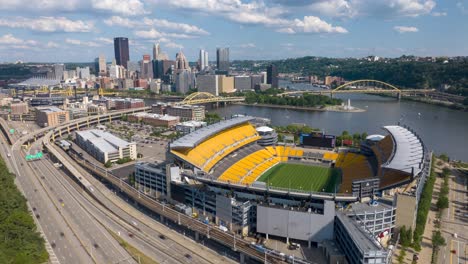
(363, 86)
(204, 98)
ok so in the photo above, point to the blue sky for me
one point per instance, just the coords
(80, 30)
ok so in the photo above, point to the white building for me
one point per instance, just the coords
(104, 146)
(189, 126)
(203, 60)
(208, 83)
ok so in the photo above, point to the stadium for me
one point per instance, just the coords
(227, 153)
(237, 175)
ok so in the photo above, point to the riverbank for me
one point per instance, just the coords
(427, 100)
(328, 108)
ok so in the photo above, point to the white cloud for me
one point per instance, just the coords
(154, 34)
(439, 14)
(311, 24)
(247, 45)
(105, 40)
(173, 45)
(49, 5)
(159, 23)
(256, 13)
(82, 43)
(405, 29)
(9, 39)
(124, 7)
(148, 34)
(180, 27)
(48, 24)
(52, 44)
(374, 8)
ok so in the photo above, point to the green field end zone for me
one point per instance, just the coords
(302, 177)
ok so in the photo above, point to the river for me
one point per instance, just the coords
(443, 130)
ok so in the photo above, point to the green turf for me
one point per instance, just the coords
(302, 177)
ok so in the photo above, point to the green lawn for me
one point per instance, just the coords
(302, 177)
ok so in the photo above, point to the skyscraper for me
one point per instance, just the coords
(102, 70)
(272, 76)
(122, 54)
(203, 60)
(146, 67)
(156, 51)
(222, 59)
(181, 62)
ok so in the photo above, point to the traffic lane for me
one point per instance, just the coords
(177, 249)
(106, 249)
(70, 252)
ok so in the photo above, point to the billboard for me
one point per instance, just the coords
(318, 140)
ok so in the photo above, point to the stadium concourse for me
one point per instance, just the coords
(228, 152)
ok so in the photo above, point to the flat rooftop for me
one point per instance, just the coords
(104, 141)
(361, 238)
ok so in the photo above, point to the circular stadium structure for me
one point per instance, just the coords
(228, 155)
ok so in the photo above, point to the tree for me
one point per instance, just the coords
(442, 202)
(444, 157)
(108, 164)
(437, 239)
(403, 236)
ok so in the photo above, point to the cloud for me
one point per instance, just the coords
(439, 14)
(9, 39)
(255, 13)
(82, 43)
(159, 23)
(405, 29)
(311, 24)
(48, 24)
(124, 7)
(154, 34)
(247, 45)
(105, 40)
(52, 44)
(173, 45)
(354, 8)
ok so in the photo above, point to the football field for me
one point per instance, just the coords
(302, 177)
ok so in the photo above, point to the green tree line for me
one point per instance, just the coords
(306, 100)
(19, 240)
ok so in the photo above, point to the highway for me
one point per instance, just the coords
(454, 221)
(200, 228)
(64, 248)
(93, 237)
(145, 233)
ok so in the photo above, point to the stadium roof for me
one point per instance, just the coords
(375, 137)
(407, 152)
(194, 138)
(362, 239)
(37, 82)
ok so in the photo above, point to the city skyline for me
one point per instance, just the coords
(273, 29)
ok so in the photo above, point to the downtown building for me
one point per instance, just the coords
(122, 52)
(104, 146)
(222, 60)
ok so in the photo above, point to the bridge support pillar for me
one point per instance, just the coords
(399, 96)
(242, 258)
(197, 236)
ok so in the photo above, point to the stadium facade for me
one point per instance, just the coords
(217, 171)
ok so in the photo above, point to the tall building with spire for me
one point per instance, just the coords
(181, 62)
(156, 51)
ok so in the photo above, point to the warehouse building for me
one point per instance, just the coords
(104, 146)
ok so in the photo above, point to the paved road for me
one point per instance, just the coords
(68, 249)
(455, 220)
(146, 232)
(99, 244)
